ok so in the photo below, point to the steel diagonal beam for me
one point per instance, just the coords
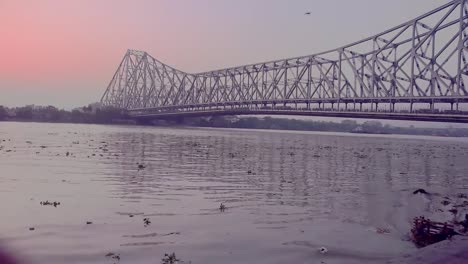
(274, 84)
(296, 82)
(355, 71)
(133, 77)
(323, 76)
(238, 86)
(254, 83)
(201, 91)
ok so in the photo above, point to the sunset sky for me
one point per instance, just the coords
(64, 53)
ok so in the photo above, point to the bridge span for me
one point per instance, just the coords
(414, 71)
(431, 117)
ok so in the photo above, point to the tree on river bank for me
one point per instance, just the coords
(371, 127)
(87, 114)
(3, 113)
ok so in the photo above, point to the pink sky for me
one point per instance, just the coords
(65, 52)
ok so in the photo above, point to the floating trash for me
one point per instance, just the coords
(146, 221)
(323, 250)
(170, 259)
(420, 191)
(54, 204)
(222, 207)
(381, 230)
(113, 256)
(426, 232)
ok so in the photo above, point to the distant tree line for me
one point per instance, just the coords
(371, 127)
(87, 114)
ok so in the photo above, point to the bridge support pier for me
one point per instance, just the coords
(451, 106)
(360, 106)
(346, 106)
(411, 107)
(332, 108)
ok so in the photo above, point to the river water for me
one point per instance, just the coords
(286, 193)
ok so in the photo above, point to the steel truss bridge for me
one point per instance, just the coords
(414, 71)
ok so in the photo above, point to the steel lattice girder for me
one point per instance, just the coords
(422, 58)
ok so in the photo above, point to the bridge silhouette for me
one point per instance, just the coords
(414, 71)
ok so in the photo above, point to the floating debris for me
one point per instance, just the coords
(146, 221)
(323, 250)
(113, 256)
(426, 232)
(222, 207)
(170, 259)
(420, 191)
(89, 222)
(445, 202)
(464, 223)
(141, 166)
(67, 154)
(32, 229)
(54, 204)
(381, 230)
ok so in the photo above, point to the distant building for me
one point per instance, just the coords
(91, 108)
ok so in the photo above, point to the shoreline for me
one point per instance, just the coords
(133, 123)
(452, 251)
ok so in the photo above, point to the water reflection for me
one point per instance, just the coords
(285, 192)
(320, 173)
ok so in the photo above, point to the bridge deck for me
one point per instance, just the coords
(455, 118)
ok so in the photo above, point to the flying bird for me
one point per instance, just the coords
(307, 13)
